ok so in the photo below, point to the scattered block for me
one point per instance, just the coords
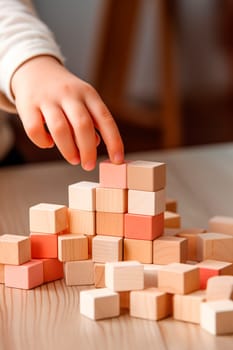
(82, 195)
(216, 317)
(110, 224)
(112, 175)
(170, 231)
(98, 304)
(90, 239)
(79, 273)
(171, 205)
(223, 224)
(99, 275)
(43, 245)
(151, 275)
(215, 246)
(172, 220)
(81, 221)
(146, 203)
(146, 175)
(72, 247)
(107, 248)
(187, 307)
(178, 278)
(111, 200)
(2, 273)
(210, 268)
(191, 234)
(169, 249)
(25, 276)
(124, 300)
(150, 304)
(14, 249)
(139, 250)
(219, 287)
(48, 218)
(146, 227)
(124, 276)
(52, 269)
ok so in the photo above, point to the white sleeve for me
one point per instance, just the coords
(22, 36)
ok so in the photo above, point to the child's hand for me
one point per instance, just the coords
(46, 93)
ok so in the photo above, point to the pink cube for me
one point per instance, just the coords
(112, 175)
(26, 276)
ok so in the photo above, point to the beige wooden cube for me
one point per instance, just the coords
(14, 249)
(82, 221)
(151, 275)
(107, 248)
(99, 275)
(219, 287)
(2, 273)
(222, 224)
(172, 220)
(111, 200)
(82, 195)
(72, 247)
(146, 203)
(171, 204)
(110, 224)
(124, 299)
(139, 250)
(191, 234)
(79, 273)
(215, 246)
(168, 249)
(187, 307)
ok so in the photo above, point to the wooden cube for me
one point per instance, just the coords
(90, 239)
(124, 276)
(222, 224)
(124, 300)
(43, 245)
(79, 273)
(146, 175)
(187, 307)
(172, 220)
(107, 248)
(219, 288)
(169, 249)
(111, 200)
(178, 278)
(171, 205)
(150, 304)
(139, 250)
(191, 234)
(217, 317)
(48, 218)
(14, 249)
(99, 275)
(110, 224)
(215, 246)
(210, 268)
(151, 275)
(72, 247)
(52, 269)
(2, 273)
(81, 221)
(112, 175)
(25, 276)
(82, 195)
(146, 227)
(146, 203)
(98, 304)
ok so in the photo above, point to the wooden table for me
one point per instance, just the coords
(48, 317)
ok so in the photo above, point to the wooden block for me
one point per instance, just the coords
(219, 288)
(82, 195)
(79, 273)
(43, 245)
(25, 276)
(98, 304)
(139, 250)
(124, 276)
(170, 231)
(146, 203)
(150, 304)
(151, 275)
(172, 220)
(210, 268)
(72, 247)
(99, 275)
(191, 234)
(222, 224)
(81, 221)
(48, 218)
(53, 270)
(217, 317)
(171, 205)
(169, 249)
(107, 248)
(14, 249)
(215, 246)
(110, 224)
(124, 300)
(90, 239)
(146, 227)
(113, 175)
(178, 278)
(146, 175)
(2, 278)
(187, 307)
(111, 200)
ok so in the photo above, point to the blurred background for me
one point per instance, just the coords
(163, 67)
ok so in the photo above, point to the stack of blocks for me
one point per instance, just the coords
(124, 237)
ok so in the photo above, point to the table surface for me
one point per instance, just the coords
(200, 178)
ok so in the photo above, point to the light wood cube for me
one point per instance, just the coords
(172, 220)
(146, 203)
(124, 300)
(82, 221)
(171, 205)
(107, 248)
(210, 268)
(110, 224)
(111, 200)
(52, 270)
(82, 195)
(44, 246)
(98, 304)
(222, 224)
(48, 218)
(79, 273)
(146, 175)
(112, 175)
(151, 275)
(99, 275)
(139, 250)
(191, 234)
(150, 304)
(215, 246)
(146, 227)
(14, 249)
(124, 276)
(169, 249)
(2, 273)
(219, 287)
(187, 307)
(72, 247)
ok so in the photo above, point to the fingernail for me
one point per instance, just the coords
(89, 165)
(118, 158)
